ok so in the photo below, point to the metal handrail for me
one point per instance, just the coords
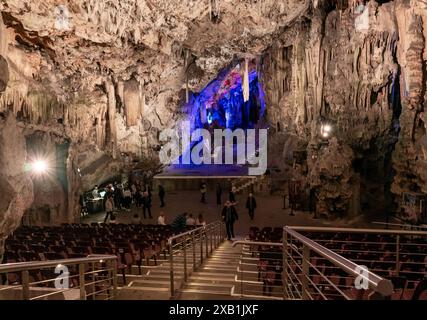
(400, 225)
(356, 230)
(203, 240)
(376, 283)
(195, 230)
(26, 286)
(274, 244)
(33, 265)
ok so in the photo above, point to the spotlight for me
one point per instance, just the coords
(325, 131)
(327, 128)
(39, 166)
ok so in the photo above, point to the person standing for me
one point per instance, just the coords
(251, 205)
(109, 208)
(127, 194)
(95, 192)
(162, 196)
(161, 219)
(218, 194)
(203, 192)
(190, 220)
(312, 202)
(146, 205)
(232, 195)
(200, 221)
(229, 216)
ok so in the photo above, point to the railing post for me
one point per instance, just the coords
(172, 284)
(285, 265)
(211, 237)
(206, 242)
(25, 285)
(82, 281)
(194, 251)
(93, 280)
(218, 236)
(201, 246)
(305, 271)
(241, 272)
(114, 279)
(397, 254)
(184, 252)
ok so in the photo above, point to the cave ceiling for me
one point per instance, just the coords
(160, 43)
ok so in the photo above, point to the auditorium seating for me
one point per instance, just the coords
(376, 251)
(133, 244)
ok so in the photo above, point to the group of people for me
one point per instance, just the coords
(183, 220)
(120, 197)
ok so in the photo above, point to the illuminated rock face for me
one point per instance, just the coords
(104, 77)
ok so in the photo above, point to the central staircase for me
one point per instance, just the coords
(230, 272)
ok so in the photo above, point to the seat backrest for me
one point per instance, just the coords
(420, 292)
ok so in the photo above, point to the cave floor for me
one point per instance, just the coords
(269, 212)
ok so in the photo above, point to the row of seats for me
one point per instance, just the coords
(133, 244)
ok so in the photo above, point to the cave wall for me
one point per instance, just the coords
(365, 80)
(102, 132)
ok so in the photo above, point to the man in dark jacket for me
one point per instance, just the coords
(251, 205)
(229, 216)
(162, 196)
(146, 204)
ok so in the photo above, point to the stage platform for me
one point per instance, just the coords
(204, 171)
(189, 177)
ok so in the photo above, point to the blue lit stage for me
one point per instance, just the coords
(221, 105)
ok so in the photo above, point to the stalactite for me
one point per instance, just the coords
(112, 127)
(131, 98)
(187, 65)
(245, 80)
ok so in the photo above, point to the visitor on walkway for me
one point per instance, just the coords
(118, 196)
(161, 219)
(218, 194)
(190, 220)
(312, 202)
(162, 196)
(95, 192)
(134, 192)
(251, 205)
(109, 208)
(203, 192)
(229, 216)
(146, 205)
(127, 194)
(232, 195)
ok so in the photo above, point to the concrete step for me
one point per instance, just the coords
(217, 275)
(218, 269)
(210, 292)
(209, 286)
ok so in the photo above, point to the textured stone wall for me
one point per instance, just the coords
(369, 85)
